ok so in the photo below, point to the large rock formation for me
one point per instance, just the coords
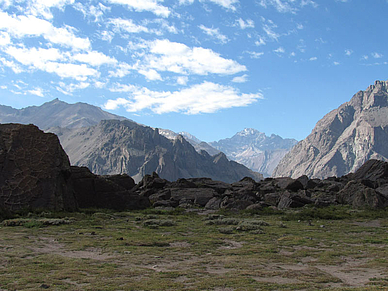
(116, 147)
(255, 150)
(344, 139)
(34, 170)
(35, 174)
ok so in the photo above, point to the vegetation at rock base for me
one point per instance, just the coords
(333, 248)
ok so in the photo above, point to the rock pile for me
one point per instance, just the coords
(368, 187)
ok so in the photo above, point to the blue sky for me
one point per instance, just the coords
(208, 67)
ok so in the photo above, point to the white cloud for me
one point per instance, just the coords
(94, 58)
(313, 59)
(365, 57)
(144, 5)
(207, 97)
(255, 55)
(270, 33)
(22, 26)
(68, 89)
(336, 63)
(279, 5)
(123, 88)
(186, 2)
(46, 60)
(106, 35)
(260, 42)
(228, 4)
(214, 32)
(4, 38)
(249, 23)
(308, 2)
(348, 52)
(151, 74)
(43, 7)
(376, 55)
(10, 64)
(179, 58)
(127, 25)
(33, 56)
(240, 79)
(121, 70)
(182, 80)
(280, 50)
(37, 91)
(91, 11)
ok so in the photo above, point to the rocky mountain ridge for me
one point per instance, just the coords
(344, 139)
(116, 147)
(56, 113)
(255, 149)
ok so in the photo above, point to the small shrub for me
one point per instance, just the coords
(155, 223)
(226, 230)
(248, 226)
(223, 221)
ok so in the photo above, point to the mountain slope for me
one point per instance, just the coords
(56, 113)
(194, 141)
(255, 150)
(344, 139)
(113, 147)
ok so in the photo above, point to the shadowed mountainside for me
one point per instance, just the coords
(115, 147)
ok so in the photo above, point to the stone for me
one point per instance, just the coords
(34, 170)
(360, 196)
(94, 191)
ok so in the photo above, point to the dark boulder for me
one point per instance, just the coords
(198, 196)
(94, 191)
(293, 200)
(358, 195)
(34, 170)
(373, 170)
(122, 180)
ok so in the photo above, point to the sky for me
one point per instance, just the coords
(207, 67)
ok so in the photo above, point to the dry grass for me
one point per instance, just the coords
(161, 250)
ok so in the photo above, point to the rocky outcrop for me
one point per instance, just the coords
(344, 139)
(34, 170)
(113, 192)
(35, 174)
(117, 147)
(356, 190)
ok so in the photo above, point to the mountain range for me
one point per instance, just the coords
(255, 150)
(110, 144)
(250, 147)
(344, 139)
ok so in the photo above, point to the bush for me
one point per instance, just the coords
(223, 221)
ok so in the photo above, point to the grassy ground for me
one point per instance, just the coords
(333, 249)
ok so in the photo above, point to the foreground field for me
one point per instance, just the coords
(333, 249)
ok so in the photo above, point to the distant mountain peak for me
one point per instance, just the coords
(249, 131)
